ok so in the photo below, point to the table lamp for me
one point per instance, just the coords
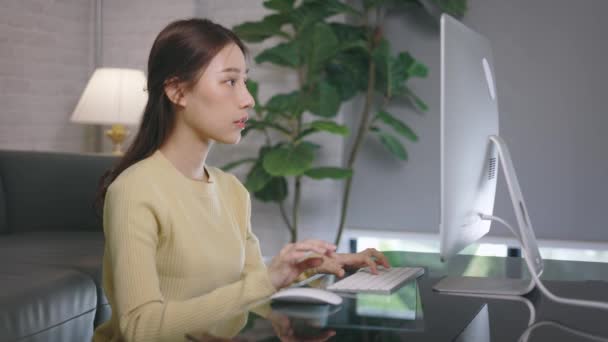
(114, 97)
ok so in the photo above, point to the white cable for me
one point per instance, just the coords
(498, 219)
(527, 333)
(537, 281)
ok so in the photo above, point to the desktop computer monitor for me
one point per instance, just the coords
(471, 151)
(469, 116)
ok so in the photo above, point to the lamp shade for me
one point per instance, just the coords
(112, 96)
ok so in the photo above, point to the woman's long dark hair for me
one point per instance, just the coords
(180, 53)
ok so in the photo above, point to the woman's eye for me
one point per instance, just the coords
(231, 82)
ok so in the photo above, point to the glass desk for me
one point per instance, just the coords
(417, 313)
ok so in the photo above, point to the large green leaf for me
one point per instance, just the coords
(258, 31)
(330, 126)
(348, 33)
(353, 45)
(337, 6)
(279, 5)
(288, 160)
(285, 104)
(273, 191)
(418, 103)
(410, 65)
(329, 172)
(398, 125)
(285, 54)
(310, 145)
(314, 11)
(392, 72)
(323, 125)
(325, 100)
(393, 145)
(304, 133)
(232, 165)
(318, 43)
(257, 178)
(348, 73)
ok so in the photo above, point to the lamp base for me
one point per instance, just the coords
(117, 134)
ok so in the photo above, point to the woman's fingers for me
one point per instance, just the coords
(298, 252)
(369, 262)
(333, 267)
(380, 258)
(295, 258)
(359, 260)
(310, 263)
(317, 246)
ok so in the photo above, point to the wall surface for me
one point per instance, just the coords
(551, 82)
(47, 53)
(45, 61)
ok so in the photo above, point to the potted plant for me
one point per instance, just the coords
(334, 62)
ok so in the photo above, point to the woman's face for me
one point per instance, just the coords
(216, 107)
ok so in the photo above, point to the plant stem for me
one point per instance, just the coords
(296, 207)
(297, 185)
(362, 131)
(286, 219)
(297, 191)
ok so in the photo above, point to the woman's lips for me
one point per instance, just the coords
(241, 122)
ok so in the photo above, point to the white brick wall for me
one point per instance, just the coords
(129, 28)
(45, 60)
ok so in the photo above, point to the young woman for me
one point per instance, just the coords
(180, 255)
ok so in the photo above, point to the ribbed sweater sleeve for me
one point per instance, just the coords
(135, 219)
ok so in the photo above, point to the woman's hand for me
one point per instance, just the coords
(337, 263)
(294, 258)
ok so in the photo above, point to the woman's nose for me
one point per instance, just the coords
(247, 100)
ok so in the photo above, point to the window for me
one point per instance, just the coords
(430, 244)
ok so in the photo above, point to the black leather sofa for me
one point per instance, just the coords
(51, 246)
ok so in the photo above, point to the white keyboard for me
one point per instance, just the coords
(385, 282)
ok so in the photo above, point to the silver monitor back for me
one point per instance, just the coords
(471, 150)
(469, 116)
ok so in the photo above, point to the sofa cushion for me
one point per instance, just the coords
(39, 300)
(81, 251)
(76, 329)
(48, 191)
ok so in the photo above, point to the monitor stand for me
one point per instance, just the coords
(503, 286)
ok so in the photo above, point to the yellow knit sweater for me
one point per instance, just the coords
(180, 256)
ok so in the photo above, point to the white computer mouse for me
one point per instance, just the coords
(307, 295)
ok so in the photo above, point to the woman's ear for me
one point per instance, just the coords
(175, 92)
